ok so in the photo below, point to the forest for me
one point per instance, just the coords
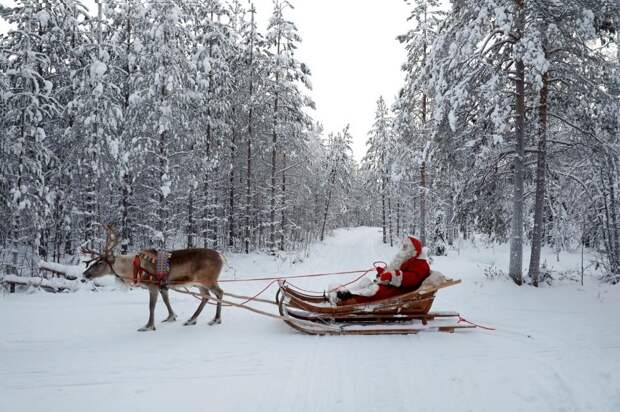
(187, 124)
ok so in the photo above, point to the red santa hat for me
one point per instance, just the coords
(411, 249)
(417, 246)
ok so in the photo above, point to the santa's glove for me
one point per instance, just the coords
(384, 278)
(392, 279)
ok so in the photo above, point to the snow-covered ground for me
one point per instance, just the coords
(555, 348)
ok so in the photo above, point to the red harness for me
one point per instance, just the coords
(141, 274)
(139, 271)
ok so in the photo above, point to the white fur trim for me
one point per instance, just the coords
(397, 278)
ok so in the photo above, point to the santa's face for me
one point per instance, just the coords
(405, 253)
(406, 247)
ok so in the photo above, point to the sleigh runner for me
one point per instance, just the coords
(407, 313)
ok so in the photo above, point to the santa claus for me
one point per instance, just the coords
(406, 272)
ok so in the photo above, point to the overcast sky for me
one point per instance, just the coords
(351, 49)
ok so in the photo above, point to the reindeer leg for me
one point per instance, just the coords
(205, 297)
(164, 295)
(219, 294)
(153, 294)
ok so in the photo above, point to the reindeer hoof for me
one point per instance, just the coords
(170, 318)
(215, 322)
(190, 322)
(146, 328)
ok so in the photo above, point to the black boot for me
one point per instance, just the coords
(343, 295)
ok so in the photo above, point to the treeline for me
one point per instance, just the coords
(507, 125)
(182, 123)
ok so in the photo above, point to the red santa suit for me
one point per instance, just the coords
(405, 273)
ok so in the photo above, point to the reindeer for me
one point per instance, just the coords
(188, 267)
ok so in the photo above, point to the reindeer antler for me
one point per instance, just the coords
(87, 251)
(111, 241)
(94, 255)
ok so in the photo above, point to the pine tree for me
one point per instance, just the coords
(29, 104)
(125, 37)
(338, 163)
(286, 75)
(163, 86)
(377, 160)
(252, 57)
(483, 52)
(426, 16)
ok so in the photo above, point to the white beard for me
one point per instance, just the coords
(406, 252)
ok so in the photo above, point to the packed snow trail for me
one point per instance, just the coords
(556, 348)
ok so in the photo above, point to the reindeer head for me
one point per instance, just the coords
(101, 262)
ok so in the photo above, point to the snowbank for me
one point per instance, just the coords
(70, 271)
(51, 285)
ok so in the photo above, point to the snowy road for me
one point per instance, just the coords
(556, 349)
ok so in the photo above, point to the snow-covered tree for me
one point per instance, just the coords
(499, 73)
(378, 161)
(287, 75)
(338, 163)
(29, 104)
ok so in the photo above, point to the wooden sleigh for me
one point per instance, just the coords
(408, 313)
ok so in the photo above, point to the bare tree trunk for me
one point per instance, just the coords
(231, 195)
(248, 177)
(206, 225)
(414, 204)
(398, 234)
(272, 209)
(248, 183)
(274, 142)
(332, 179)
(161, 210)
(614, 235)
(316, 210)
(89, 200)
(209, 218)
(516, 241)
(450, 220)
(58, 212)
(67, 233)
(423, 166)
(383, 222)
(190, 218)
(15, 233)
(390, 220)
(283, 202)
(260, 220)
(613, 172)
(125, 192)
(423, 202)
(125, 171)
(537, 232)
(217, 217)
